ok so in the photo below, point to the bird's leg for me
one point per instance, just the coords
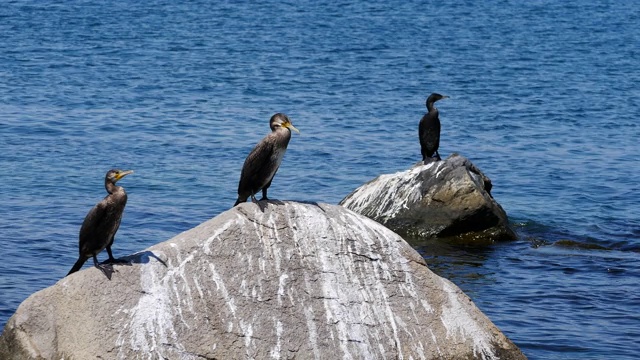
(253, 198)
(112, 260)
(438, 156)
(264, 191)
(106, 269)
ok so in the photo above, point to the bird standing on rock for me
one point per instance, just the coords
(264, 160)
(429, 128)
(101, 224)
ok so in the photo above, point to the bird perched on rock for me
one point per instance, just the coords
(429, 128)
(263, 161)
(101, 224)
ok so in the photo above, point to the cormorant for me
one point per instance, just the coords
(263, 161)
(429, 129)
(101, 223)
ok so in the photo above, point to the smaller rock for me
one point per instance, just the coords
(442, 199)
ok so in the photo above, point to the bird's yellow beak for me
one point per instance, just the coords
(290, 126)
(122, 174)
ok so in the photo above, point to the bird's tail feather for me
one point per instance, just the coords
(240, 200)
(78, 265)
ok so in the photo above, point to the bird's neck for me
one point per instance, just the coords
(284, 135)
(111, 187)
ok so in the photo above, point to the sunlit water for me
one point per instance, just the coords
(544, 99)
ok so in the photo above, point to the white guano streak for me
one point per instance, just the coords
(151, 320)
(384, 197)
(220, 231)
(361, 328)
(463, 327)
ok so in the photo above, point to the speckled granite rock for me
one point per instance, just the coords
(288, 280)
(445, 199)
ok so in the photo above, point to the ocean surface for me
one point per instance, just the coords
(545, 100)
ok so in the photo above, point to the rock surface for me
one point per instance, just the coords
(280, 281)
(445, 199)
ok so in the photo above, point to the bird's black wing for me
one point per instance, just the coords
(422, 129)
(256, 166)
(93, 226)
(435, 136)
(429, 130)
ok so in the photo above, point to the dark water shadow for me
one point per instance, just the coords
(444, 247)
(540, 235)
(454, 261)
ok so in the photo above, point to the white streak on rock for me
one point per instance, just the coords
(184, 286)
(275, 352)
(400, 190)
(244, 290)
(219, 231)
(440, 168)
(391, 320)
(198, 287)
(343, 280)
(313, 332)
(150, 322)
(247, 333)
(222, 289)
(461, 326)
(283, 279)
(435, 341)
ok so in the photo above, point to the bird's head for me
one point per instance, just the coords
(433, 98)
(114, 175)
(281, 120)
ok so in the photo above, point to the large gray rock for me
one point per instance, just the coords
(445, 199)
(290, 280)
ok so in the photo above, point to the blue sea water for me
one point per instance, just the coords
(545, 99)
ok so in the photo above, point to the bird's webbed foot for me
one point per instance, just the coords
(253, 199)
(107, 269)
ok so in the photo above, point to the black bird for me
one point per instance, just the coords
(429, 129)
(263, 161)
(101, 223)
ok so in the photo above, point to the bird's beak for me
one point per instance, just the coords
(446, 97)
(123, 174)
(290, 126)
